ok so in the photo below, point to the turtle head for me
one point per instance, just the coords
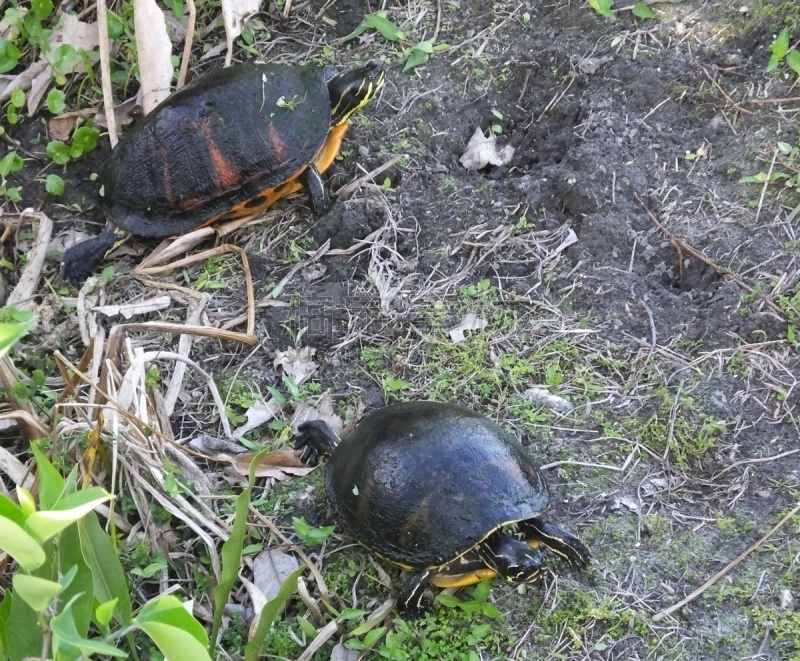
(351, 90)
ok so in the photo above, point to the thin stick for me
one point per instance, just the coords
(668, 611)
(105, 72)
(187, 44)
(766, 183)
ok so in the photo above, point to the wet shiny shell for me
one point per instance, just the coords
(230, 137)
(421, 483)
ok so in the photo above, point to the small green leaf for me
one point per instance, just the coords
(448, 600)
(54, 184)
(352, 614)
(56, 101)
(482, 590)
(34, 591)
(641, 10)
(18, 98)
(480, 631)
(379, 22)
(65, 57)
(490, 610)
(13, 193)
(11, 162)
(497, 114)
(780, 46)
(10, 334)
(104, 611)
(793, 60)
(497, 129)
(58, 152)
(65, 630)
(603, 7)
(416, 58)
(42, 9)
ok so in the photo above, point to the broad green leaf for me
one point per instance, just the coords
(173, 629)
(19, 544)
(24, 635)
(51, 483)
(48, 523)
(9, 55)
(272, 609)
(69, 554)
(65, 631)
(641, 10)
(108, 578)
(419, 55)
(34, 591)
(5, 613)
(793, 60)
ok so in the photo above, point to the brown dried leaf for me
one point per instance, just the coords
(278, 464)
(235, 14)
(322, 411)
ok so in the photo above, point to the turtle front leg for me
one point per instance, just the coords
(510, 558)
(321, 202)
(314, 440)
(561, 542)
(411, 602)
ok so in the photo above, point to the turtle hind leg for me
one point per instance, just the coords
(321, 202)
(314, 440)
(411, 604)
(81, 260)
(561, 542)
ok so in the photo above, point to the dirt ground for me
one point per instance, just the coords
(617, 261)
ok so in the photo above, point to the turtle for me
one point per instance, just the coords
(227, 145)
(441, 491)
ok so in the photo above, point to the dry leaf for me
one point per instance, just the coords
(270, 569)
(124, 113)
(235, 14)
(482, 151)
(470, 322)
(278, 464)
(212, 445)
(296, 363)
(546, 398)
(129, 310)
(61, 127)
(567, 242)
(257, 415)
(155, 53)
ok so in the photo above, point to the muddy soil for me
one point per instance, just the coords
(621, 250)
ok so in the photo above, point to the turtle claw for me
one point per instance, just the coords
(314, 440)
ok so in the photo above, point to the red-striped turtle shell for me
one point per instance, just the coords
(224, 146)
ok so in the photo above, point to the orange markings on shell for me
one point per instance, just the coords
(227, 176)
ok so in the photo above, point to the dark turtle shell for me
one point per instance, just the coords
(421, 483)
(216, 145)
